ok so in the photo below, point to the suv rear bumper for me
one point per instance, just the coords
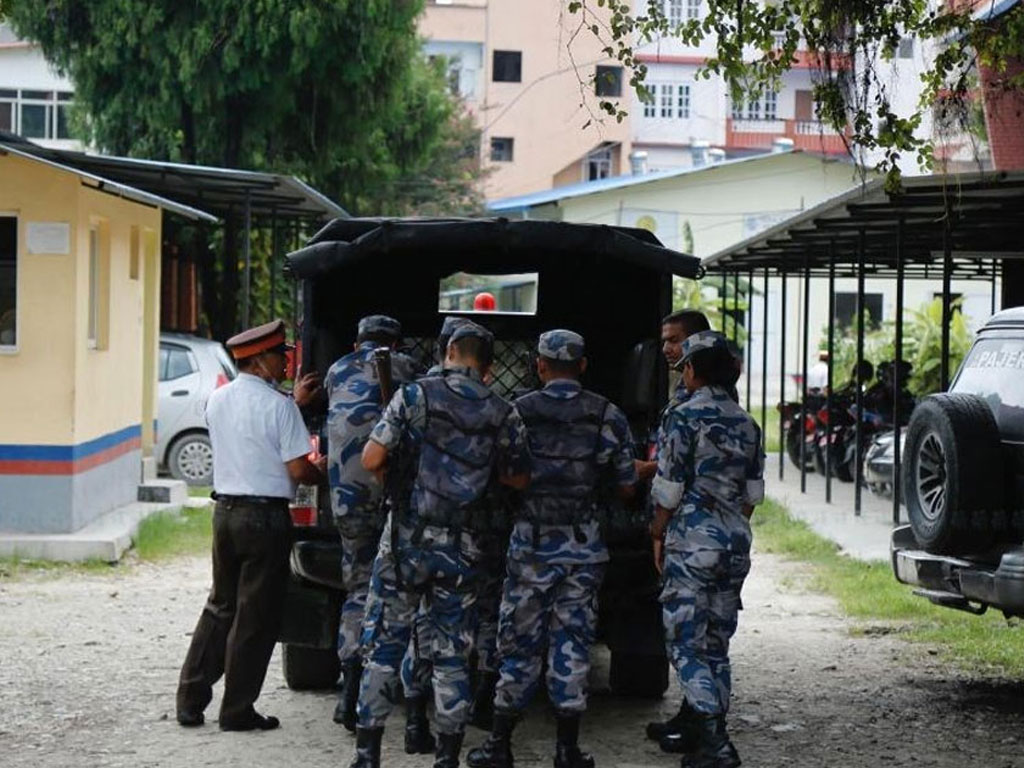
(966, 584)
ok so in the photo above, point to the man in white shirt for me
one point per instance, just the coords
(260, 447)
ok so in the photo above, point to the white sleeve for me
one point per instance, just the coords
(294, 437)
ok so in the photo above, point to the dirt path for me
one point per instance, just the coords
(88, 667)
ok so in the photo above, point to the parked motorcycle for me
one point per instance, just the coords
(796, 432)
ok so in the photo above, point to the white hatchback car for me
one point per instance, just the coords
(190, 369)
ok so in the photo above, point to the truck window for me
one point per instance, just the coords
(994, 370)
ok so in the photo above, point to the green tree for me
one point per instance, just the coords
(853, 42)
(334, 91)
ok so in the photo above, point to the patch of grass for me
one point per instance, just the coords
(771, 428)
(200, 491)
(868, 591)
(168, 534)
(12, 568)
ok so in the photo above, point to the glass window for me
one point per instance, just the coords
(683, 101)
(63, 111)
(692, 9)
(771, 105)
(8, 281)
(165, 356)
(754, 109)
(179, 363)
(651, 104)
(502, 149)
(666, 101)
(674, 12)
(35, 121)
(608, 81)
(94, 286)
(512, 293)
(508, 67)
(599, 165)
(994, 370)
(846, 308)
(37, 95)
(7, 116)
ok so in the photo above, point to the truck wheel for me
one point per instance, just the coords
(309, 669)
(638, 675)
(953, 474)
(191, 459)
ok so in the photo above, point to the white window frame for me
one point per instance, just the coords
(52, 106)
(673, 10)
(93, 296)
(600, 158)
(770, 102)
(13, 349)
(683, 101)
(651, 107)
(666, 101)
(693, 9)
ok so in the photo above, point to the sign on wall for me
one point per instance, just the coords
(48, 237)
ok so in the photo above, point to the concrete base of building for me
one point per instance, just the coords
(106, 538)
(163, 491)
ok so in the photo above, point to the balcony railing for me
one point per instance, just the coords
(809, 135)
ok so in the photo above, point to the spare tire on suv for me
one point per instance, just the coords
(953, 477)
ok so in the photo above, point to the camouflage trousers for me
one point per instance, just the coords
(552, 608)
(447, 579)
(489, 591)
(357, 555)
(417, 664)
(700, 601)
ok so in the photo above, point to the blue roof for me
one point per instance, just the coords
(520, 202)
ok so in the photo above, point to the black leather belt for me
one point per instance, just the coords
(274, 501)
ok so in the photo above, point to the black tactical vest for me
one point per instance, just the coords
(457, 451)
(564, 437)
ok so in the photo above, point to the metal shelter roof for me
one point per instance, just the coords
(979, 215)
(203, 189)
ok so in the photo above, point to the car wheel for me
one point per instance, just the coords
(191, 459)
(953, 474)
(309, 669)
(638, 675)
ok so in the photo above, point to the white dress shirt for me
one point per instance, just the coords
(254, 430)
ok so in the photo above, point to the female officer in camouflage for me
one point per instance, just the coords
(709, 478)
(556, 555)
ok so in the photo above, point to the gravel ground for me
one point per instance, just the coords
(88, 666)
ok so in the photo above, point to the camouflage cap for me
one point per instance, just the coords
(560, 344)
(380, 324)
(450, 324)
(470, 329)
(702, 340)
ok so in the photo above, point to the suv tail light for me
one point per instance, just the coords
(304, 506)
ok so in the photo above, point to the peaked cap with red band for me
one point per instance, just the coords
(262, 338)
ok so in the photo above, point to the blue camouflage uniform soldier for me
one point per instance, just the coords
(465, 436)
(354, 407)
(580, 445)
(709, 479)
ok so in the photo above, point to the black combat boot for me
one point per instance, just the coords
(567, 751)
(481, 710)
(658, 731)
(367, 748)
(714, 749)
(418, 739)
(345, 711)
(448, 747)
(496, 751)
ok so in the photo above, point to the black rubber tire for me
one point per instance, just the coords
(953, 476)
(186, 456)
(793, 436)
(637, 675)
(309, 669)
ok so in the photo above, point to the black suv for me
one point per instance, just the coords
(963, 480)
(611, 284)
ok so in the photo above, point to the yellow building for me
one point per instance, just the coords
(79, 328)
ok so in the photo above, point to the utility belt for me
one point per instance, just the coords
(230, 501)
(566, 515)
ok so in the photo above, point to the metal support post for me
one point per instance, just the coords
(749, 347)
(782, 375)
(858, 470)
(723, 305)
(995, 273)
(897, 379)
(831, 366)
(764, 366)
(274, 245)
(803, 371)
(736, 307)
(947, 309)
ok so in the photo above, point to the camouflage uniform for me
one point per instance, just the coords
(709, 469)
(353, 410)
(556, 555)
(463, 432)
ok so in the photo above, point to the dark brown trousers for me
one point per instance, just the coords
(239, 624)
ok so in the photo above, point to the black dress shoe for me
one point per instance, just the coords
(190, 719)
(256, 722)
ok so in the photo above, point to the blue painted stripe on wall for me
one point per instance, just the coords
(68, 452)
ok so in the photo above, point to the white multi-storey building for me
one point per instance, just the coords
(35, 100)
